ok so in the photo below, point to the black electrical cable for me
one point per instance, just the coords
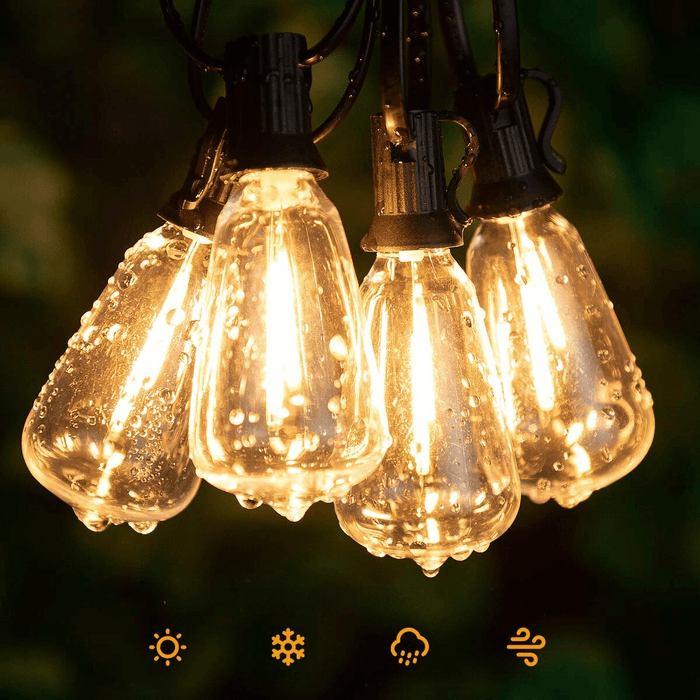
(398, 128)
(336, 34)
(200, 15)
(454, 32)
(505, 27)
(357, 75)
(177, 28)
(420, 58)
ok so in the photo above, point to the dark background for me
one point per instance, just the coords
(96, 130)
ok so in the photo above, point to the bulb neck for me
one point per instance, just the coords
(510, 173)
(410, 205)
(268, 103)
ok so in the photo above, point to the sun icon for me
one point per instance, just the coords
(169, 641)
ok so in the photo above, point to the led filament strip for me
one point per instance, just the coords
(234, 345)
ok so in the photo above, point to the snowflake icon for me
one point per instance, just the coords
(288, 647)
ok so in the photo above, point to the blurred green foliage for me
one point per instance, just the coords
(96, 130)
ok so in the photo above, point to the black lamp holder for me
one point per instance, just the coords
(268, 120)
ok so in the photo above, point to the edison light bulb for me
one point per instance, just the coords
(108, 432)
(448, 484)
(576, 403)
(283, 411)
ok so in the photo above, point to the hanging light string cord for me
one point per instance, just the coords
(195, 52)
(200, 15)
(357, 75)
(336, 34)
(420, 57)
(454, 32)
(393, 77)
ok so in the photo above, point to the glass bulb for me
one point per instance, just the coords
(576, 403)
(108, 432)
(448, 484)
(284, 411)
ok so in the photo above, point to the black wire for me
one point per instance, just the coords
(177, 28)
(357, 75)
(336, 34)
(200, 15)
(420, 58)
(454, 32)
(505, 26)
(396, 121)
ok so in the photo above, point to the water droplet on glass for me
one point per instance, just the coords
(145, 527)
(557, 466)
(236, 417)
(581, 269)
(543, 484)
(474, 401)
(562, 279)
(608, 412)
(468, 319)
(607, 456)
(334, 404)
(604, 355)
(338, 348)
(175, 317)
(248, 503)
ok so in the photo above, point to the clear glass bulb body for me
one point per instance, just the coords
(108, 432)
(576, 403)
(448, 484)
(284, 411)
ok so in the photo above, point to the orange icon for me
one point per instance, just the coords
(413, 644)
(288, 647)
(170, 641)
(522, 637)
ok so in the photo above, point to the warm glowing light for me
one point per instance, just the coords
(448, 483)
(577, 407)
(108, 433)
(284, 412)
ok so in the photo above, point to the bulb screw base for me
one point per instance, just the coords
(410, 211)
(269, 109)
(511, 172)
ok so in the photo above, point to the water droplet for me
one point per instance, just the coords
(185, 358)
(249, 503)
(581, 269)
(608, 412)
(474, 401)
(468, 319)
(253, 417)
(431, 573)
(175, 317)
(334, 404)
(605, 453)
(511, 245)
(145, 527)
(562, 279)
(521, 279)
(604, 355)
(92, 520)
(508, 316)
(176, 250)
(236, 417)
(557, 466)
(338, 348)
(127, 279)
(544, 484)
(616, 395)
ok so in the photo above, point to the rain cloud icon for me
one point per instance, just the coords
(412, 644)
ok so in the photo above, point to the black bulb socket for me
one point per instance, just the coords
(268, 104)
(410, 207)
